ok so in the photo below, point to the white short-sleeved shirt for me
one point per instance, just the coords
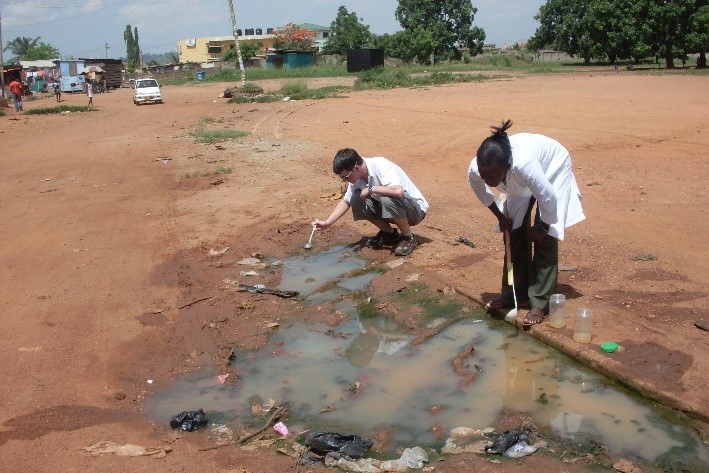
(383, 172)
(541, 167)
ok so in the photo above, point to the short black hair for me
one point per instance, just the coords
(495, 150)
(345, 160)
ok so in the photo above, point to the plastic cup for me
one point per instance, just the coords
(583, 326)
(557, 310)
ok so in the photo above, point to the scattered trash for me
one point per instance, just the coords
(413, 277)
(249, 273)
(466, 440)
(505, 441)
(189, 420)
(353, 446)
(261, 289)
(465, 241)
(222, 378)
(249, 261)
(213, 252)
(150, 381)
(281, 429)
(410, 458)
(127, 450)
(273, 325)
(520, 449)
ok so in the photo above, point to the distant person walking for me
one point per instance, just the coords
(16, 89)
(90, 93)
(57, 91)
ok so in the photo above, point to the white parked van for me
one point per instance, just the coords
(146, 91)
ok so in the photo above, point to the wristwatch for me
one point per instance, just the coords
(545, 226)
(369, 188)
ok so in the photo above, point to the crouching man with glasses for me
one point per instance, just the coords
(380, 192)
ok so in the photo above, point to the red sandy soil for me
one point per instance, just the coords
(107, 219)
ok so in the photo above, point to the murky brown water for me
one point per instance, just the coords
(368, 376)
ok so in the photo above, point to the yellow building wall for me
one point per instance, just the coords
(212, 48)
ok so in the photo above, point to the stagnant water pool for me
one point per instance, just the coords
(364, 375)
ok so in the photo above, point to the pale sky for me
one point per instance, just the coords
(83, 28)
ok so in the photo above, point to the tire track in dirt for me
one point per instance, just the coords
(277, 125)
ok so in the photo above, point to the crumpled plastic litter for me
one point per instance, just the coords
(505, 441)
(189, 420)
(222, 378)
(520, 449)
(411, 458)
(353, 446)
(127, 450)
(281, 429)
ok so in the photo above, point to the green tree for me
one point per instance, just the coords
(248, 50)
(563, 26)
(698, 37)
(408, 45)
(132, 48)
(617, 28)
(346, 32)
(20, 45)
(450, 23)
(42, 51)
(670, 24)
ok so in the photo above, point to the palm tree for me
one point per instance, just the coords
(20, 45)
(173, 57)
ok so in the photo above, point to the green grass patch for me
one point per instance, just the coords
(207, 121)
(296, 90)
(216, 136)
(60, 109)
(386, 78)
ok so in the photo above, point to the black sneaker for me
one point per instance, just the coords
(382, 239)
(406, 246)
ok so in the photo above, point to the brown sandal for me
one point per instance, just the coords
(500, 303)
(534, 316)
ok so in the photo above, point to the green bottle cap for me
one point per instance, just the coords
(609, 347)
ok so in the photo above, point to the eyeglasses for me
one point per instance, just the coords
(347, 176)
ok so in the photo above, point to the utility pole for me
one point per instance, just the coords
(2, 65)
(106, 47)
(236, 41)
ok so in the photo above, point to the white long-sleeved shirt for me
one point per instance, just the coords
(541, 167)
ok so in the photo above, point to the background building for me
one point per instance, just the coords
(212, 48)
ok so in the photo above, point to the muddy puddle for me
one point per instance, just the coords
(364, 376)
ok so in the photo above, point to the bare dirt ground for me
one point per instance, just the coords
(107, 219)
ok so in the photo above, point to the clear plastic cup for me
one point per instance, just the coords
(583, 326)
(557, 310)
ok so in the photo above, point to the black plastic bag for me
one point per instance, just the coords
(502, 443)
(323, 443)
(189, 420)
